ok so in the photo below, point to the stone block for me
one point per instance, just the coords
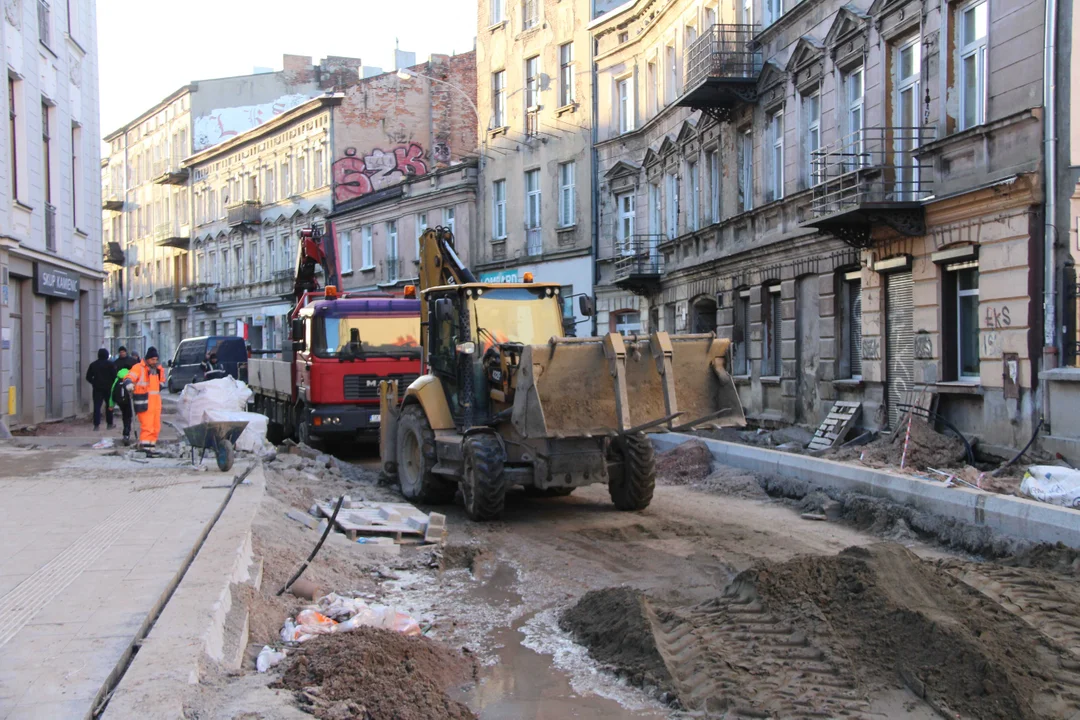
(1006, 228)
(787, 409)
(826, 284)
(787, 349)
(725, 316)
(787, 328)
(827, 306)
(787, 309)
(826, 349)
(925, 319)
(1004, 255)
(789, 368)
(1004, 285)
(787, 289)
(925, 294)
(789, 388)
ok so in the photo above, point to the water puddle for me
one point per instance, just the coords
(524, 684)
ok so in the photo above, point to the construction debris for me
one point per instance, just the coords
(836, 425)
(396, 520)
(336, 614)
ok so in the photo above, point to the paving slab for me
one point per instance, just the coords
(71, 602)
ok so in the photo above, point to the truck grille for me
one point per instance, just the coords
(366, 387)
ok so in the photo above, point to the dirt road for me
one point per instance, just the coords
(707, 603)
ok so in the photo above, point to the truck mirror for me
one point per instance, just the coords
(444, 310)
(585, 305)
(297, 329)
(299, 345)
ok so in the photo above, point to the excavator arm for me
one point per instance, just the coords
(316, 248)
(439, 264)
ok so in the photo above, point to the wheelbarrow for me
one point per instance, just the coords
(218, 437)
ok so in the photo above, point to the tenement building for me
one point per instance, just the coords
(147, 205)
(851, 192)
(50, 223)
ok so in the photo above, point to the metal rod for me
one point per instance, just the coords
(651, 423)
(700, 420)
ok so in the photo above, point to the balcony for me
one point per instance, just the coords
(532, 122)
(204, 296)
(172, 235)
(114, 305)
(114, 254)
(169, 298)
(871, 177)
(50, 227)
(722, 69)
(111, 200)
(170, 172)
(639, 264)
(244, 214)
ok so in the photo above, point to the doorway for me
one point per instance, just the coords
(899, 343)
(15, 382)
(807, 312)
(704, 315)
(51, 318)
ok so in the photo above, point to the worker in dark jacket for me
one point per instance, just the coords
(100, 375)
(125, 361)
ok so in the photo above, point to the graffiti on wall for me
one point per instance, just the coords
(356, 176)
(223, 123)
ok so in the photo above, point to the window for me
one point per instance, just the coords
(567, 197)
(653, 99)
(624, 37)
(286, 187)
(346, 251)
(532, 199)
(712, 166)
(693, 188)
(46, 150)
(624, 94)
(449, 220)
(566, 75)
(974, 21)
(498, 96)
(566, 292)
(851, 325)
(624, 231)
(773, 316)
(496, 11)
(367, 250)
(498, 209)
(776, 156)
(532, 95)
(626, 322)
(961, 336)
(655, 223)
(271, 257)
(318, 178)
(529, 13)
(746, 12)
(853, 116)
(773, 10)
(741, 334)
(301, 174)
(13, 134)
(76, 173)
(672, 198)
(906, 107)
(44, 16)
(746, 171)
(393, 264)
(268, 185)
(672, 73)
(253, 263)
(812, 115)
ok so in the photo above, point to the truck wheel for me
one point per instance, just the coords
(483, 486)
(532, 491)
(631, 486)
(416, 458)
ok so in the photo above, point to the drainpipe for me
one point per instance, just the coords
(594, 194)
(1052, 346)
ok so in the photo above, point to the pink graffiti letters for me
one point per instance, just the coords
(355, 176)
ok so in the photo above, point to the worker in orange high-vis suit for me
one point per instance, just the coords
(145, 382)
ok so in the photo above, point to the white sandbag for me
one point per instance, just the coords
(1052, 484)
(225, 393)
(253, 439)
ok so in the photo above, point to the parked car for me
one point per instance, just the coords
(185, 367)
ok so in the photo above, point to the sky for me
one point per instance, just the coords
(149, 48)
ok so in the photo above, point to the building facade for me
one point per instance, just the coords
(147, 204)
(50, 227)
(851, 192)
(536, 115)
(389, 151)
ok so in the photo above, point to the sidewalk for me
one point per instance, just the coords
(91, 542)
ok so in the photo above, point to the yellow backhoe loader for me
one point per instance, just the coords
(505, 400)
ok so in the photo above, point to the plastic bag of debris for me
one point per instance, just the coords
(268, 658)
(225, 394)
(1052, 484)
(253, 439)
(319, 619)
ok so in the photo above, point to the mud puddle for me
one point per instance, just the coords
(523, 683)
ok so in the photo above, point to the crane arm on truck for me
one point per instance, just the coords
(316, 248)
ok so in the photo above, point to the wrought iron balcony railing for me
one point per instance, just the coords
(723, 52)
(638, 256)
(248, 212)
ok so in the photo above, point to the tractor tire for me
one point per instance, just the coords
(416, 458)
(484, 486)
(631, 488)
(531, 491)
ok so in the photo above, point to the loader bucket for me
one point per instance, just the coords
(569, 388)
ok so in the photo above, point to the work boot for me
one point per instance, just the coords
(108, 426)
(126, 441)
(96, 428)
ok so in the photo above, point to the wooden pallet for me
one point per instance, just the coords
(835, 427)
(389, 519)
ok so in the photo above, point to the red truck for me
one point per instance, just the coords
(326, 386)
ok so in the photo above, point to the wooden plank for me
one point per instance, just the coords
(836, 425)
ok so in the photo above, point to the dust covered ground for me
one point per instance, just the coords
(719, 600)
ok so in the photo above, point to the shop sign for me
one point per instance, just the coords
(500, 276)
(56, 282)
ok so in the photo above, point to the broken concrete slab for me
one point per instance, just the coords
(303, 518)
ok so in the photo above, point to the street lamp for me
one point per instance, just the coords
(408, 75)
